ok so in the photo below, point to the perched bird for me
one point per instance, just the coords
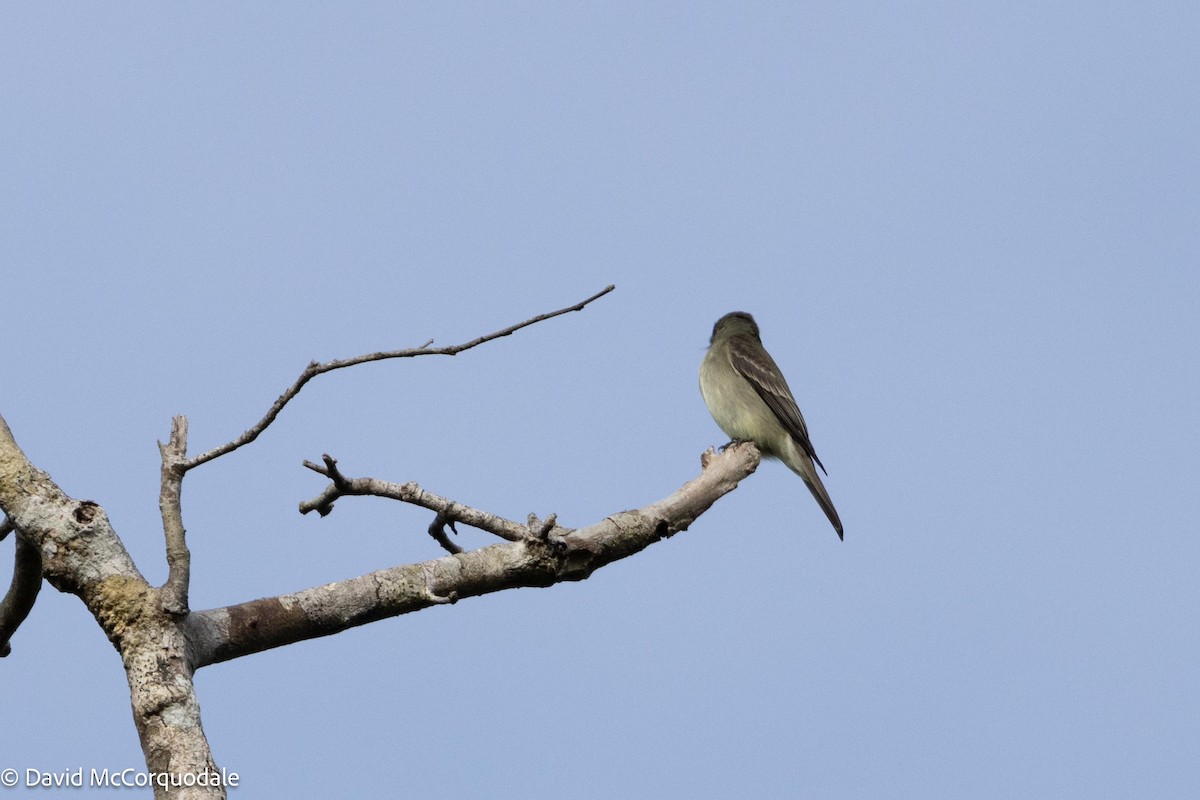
(748, 397)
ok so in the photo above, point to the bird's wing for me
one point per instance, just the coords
(755, 364)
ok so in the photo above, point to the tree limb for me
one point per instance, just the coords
(408, 493)
(82, 554)
(314, 369)
(230, 632)
(26, 583)
(174, 593)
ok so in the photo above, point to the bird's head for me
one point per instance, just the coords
(734, 323)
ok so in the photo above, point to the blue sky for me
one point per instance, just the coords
(968, 233)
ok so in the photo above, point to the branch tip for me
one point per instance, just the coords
(540, 529)
(437, 529)
(323, 503)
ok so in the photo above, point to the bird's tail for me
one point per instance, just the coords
(808, 471)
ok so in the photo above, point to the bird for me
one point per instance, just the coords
(749, 399)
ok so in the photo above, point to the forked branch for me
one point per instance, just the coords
(543, 554)
(175, 463)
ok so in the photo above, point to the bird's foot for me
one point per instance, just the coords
(729, 444)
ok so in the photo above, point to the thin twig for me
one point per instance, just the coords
(314, 369)
(446, 509)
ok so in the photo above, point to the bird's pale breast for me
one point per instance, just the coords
(736, 407)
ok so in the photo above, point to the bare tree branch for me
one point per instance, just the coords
(537, 558)
(314, 369)
(448, 511)
(174, 592)
(408, 493)
(26, 583)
